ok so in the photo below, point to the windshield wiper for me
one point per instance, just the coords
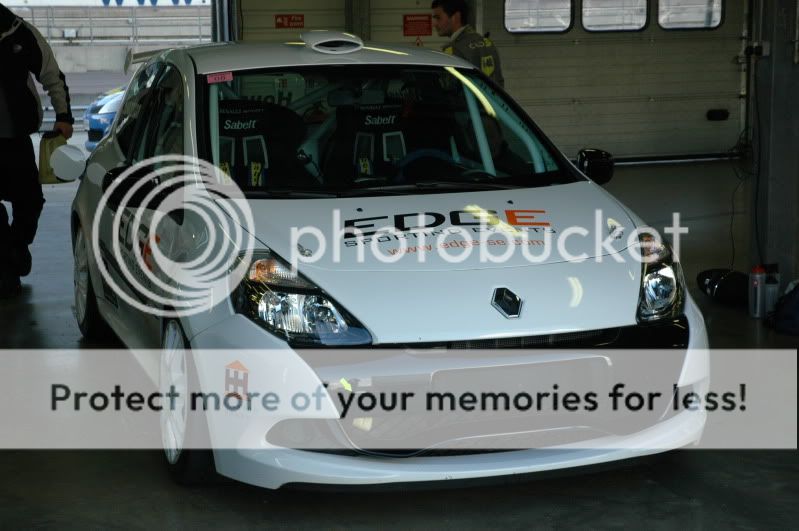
(400, 189)
(460, 185)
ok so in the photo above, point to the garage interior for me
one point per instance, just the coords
(700, 121)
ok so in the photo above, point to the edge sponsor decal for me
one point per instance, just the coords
(468, 217)
(459, 244)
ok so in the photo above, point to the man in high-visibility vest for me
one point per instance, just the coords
(450, 17)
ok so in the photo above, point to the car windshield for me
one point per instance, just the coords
(371, 130)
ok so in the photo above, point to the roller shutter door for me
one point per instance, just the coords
(641, 93)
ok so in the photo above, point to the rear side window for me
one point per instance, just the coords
(689, 14)
(538, 16)
(614, 15)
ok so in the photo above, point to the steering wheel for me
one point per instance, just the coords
(426, 153)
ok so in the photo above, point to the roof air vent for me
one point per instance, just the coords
(333, 42)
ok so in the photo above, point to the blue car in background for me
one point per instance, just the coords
(100, 115)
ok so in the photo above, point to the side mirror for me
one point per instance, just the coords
(596, 164)
(68, 162)
(124, 184)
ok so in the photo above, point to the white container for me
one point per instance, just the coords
(772, 293)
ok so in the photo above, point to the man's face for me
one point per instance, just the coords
(443, 22)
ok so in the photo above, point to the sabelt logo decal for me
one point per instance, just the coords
(513, 221)
(237, 125)
(380, 120)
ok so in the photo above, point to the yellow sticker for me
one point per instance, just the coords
(487, 65)
(225, 167)
(449, 50)
(365, 166)
(256, 174)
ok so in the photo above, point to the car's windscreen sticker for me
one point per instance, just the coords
(221, 77)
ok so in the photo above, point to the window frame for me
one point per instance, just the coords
(722, 20)
(572, 22)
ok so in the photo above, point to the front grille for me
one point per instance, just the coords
(586, 339)
(591, 337)
(666, 335)
(95, 135)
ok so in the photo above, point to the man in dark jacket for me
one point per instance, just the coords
(450, 20)
(23, 51)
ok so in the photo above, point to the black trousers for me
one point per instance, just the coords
(19, 185)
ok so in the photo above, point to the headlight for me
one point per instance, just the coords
(293, 308)
(662, 284)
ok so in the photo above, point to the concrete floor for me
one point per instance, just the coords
(689, 489)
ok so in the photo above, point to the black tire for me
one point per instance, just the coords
(90, 320)
(191, 467)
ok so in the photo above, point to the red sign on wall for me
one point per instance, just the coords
(289, 21)
(417, 25)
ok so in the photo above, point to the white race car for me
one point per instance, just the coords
(393, 200)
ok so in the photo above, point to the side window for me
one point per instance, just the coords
(160, 130)
(168, 134)
(133, 109)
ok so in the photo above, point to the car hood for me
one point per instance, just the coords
(411, 301)
(445, 232)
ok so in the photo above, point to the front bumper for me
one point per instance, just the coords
(260, 463)
(276, 468)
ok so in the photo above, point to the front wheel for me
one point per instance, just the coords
(187, 466)
(91, 323)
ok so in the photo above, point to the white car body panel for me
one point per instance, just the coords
(561, 207)
(213, 58)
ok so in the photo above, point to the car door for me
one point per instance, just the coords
(111, 161)
(162, 137)
(151, 126)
